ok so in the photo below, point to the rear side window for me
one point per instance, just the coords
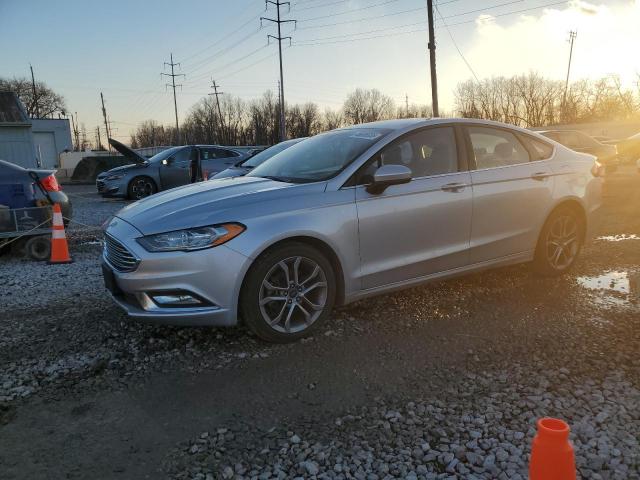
(540, 150)
(493, 147)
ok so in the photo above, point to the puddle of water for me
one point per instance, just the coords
(615, 281)
(619, 238)
(613, 288)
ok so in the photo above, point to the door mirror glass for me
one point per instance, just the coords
(388, 175)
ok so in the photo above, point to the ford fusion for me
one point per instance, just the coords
(347, 214)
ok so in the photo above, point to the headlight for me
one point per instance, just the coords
(192, 238)
(115, 176)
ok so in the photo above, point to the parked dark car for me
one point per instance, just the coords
(581, 142)
(170, 168)
(245, 166)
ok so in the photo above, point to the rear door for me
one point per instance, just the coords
(216, 159)
(176, 170)
(512, 191)
(422, 227)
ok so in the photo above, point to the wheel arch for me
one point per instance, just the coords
(143, 175)
(574, 204)
(315, 242)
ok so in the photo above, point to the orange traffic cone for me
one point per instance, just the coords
(59, 247)
(551, 452)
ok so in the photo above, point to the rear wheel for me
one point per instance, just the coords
(141, 187)
(288, 293)
(559, 243)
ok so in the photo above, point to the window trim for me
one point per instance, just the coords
(528, 139)
(461, 155)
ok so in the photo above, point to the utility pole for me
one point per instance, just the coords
(173, 85)
(432, 61)
(36, 110)
(76, 132)
(98, 139)
(572, 36)
(106, 122)
(279, 22)
(406, 101)
(217, 94)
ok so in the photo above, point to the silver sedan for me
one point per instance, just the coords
(348, 214)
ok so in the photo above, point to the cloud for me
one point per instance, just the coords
(607, 36)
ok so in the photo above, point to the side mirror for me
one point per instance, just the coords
(388, 175)
(167, 161)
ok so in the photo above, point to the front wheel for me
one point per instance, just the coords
(141, 187)
(289, 291)
(559, 243)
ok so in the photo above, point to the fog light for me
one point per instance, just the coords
(177, 299)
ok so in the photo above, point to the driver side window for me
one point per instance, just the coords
(426, 153)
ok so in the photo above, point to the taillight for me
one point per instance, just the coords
(598, 169)
(50, 184)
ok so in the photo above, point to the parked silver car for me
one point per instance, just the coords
(348, 214)
(245, 166)
(170, 168)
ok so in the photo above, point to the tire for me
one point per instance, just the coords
(141, 187)
(290, 315)
(38, 248)
(559, 243)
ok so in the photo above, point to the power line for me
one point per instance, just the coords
(348, 11)
(405, 25)
(278, 21)
(173, 85)
(456, 45)
(319, 41)
(334, 2)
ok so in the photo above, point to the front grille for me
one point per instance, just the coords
(100, 185)
(118, 256)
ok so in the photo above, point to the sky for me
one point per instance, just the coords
(83, 47)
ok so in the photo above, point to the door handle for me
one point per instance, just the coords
(453, 187)
(540, 176)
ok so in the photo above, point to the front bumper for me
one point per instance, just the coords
(113, 188)
(214, 275)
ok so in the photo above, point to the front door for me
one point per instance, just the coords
(176, 170)
(512, 193)
(422, 227)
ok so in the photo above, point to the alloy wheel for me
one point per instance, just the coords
(563, 242)
(142, 188)
(293, 294)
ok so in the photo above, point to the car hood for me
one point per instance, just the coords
(135, 157)
(210, 202)
(121, 169)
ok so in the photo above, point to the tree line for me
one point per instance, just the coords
(534, 101)
(528, 100)
(256, 122)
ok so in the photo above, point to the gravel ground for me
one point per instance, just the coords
(443, 381)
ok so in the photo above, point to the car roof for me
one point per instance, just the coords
(402, 123)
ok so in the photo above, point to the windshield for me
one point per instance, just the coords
(158, 157)
(321, 157)
(260, 157)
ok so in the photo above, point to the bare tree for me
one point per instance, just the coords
(46, 102)
(363, 106)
